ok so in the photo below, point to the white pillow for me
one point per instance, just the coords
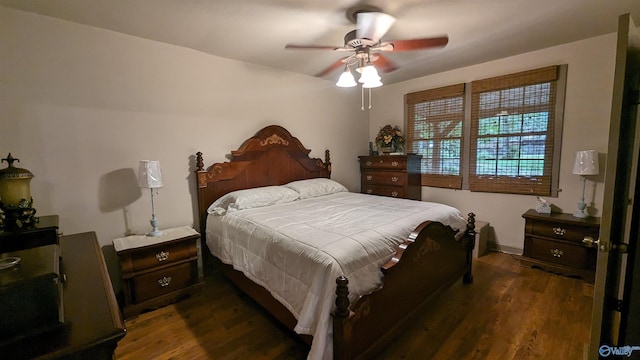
(252, 198)
(316, 187)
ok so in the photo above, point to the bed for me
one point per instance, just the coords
(345, 304)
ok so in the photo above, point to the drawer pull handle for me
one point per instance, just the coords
(369, 177)
(165, 281)
(394, 163)
(394, 193)
(557, 253)
(559, 231)
(369, 163)
(369, 191)
(162, 256)
(394, 179)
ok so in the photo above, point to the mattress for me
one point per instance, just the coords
(296, 250)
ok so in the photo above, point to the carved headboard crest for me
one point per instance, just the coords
(274, 139)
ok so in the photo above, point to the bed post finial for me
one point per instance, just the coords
(199, 162)
(471, 224)
(470, 233)
(327, 161)
(342, 297)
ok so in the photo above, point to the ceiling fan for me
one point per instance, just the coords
(365, 43)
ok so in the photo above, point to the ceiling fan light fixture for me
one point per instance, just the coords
(369, 75)
(346, 79)
(372, 84)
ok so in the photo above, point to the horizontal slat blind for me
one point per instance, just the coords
(512, 128)
(434, 130)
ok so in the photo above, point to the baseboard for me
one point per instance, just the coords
(504, 249)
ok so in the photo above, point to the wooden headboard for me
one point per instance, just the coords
(271, 157)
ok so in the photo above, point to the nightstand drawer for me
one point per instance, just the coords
(161, 255)
(393, 191)
(383, 178)
(162, 282)
(384, 162)
(569, 232)
(574, 256)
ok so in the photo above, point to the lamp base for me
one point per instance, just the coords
(154, 226)
(582, 208)
(580, 214)
(155, 233)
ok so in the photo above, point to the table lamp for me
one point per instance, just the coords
(150, 176)
(586, 164)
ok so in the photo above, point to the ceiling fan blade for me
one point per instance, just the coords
(332, 67)
(385, 46)
(373, 25)
(418, 44)
(384, 64)
(313, 47)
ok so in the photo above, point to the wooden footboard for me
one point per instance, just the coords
(425, 265)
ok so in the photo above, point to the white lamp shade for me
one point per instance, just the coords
(149, 174)
(346, 80)
(586, 163)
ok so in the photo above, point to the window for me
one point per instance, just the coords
(513, 121)
(434, 130)
(509, 141)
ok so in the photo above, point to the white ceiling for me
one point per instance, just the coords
(256, 31)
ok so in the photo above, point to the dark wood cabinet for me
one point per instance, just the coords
(391, 175)
(555, 242)
(92, 323)
(44, 232)
(158, 270)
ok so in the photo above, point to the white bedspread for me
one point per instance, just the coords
(297, 250)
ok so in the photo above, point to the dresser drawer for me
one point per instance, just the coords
(383, 177)
(563, 231)
(162, 282)
(392, 191)
(559, 253)
(162, 254)
(384, 162)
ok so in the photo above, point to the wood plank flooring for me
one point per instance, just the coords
(509, 312)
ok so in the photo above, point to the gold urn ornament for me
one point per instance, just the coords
(15, 196)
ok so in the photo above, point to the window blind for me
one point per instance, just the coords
(512, 132)
(434, 130)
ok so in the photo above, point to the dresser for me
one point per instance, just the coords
(391, 175)
(92, 323)
(555, 242)
(158, 270)
(44, 232)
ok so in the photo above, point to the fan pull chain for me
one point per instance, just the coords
(362, 99)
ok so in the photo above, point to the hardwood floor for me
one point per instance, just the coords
(509, 312)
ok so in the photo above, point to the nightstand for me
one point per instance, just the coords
(157, 271)
(554, 242)
(391, 175)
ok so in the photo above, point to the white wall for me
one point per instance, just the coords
(586, 126)
(80, 106)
